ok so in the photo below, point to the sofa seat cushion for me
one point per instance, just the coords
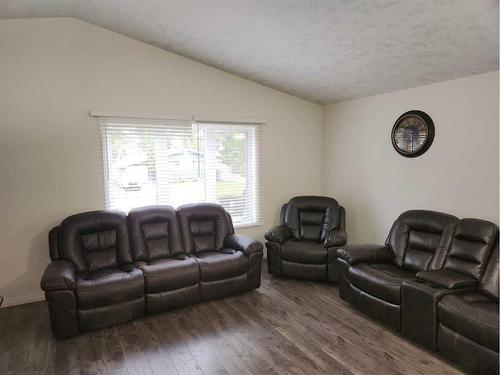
(381, 280)
(166, 274)
(472, 315)
(223, 264)
(307, 252)
(108, 286)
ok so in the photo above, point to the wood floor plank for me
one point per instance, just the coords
(171, 338)
(190, 329)
(221, 340)
(262, 340)
(108, 351)
(159, 357)
(338, 314)
(135, 351)
(285, 327)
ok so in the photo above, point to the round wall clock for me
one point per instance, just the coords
(412, 134)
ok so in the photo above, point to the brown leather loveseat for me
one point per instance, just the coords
(108, 268)
(436, 280)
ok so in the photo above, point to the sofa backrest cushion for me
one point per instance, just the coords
(489, 280)
(95, 240)
(470, 247)
(420, 239)
(312, 217)
(204, 226)
(154, 233)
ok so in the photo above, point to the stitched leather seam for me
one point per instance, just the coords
(391, 284)
(468, 318)
(98, 289)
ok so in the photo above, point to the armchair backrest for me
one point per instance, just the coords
(312, 217)
(154, 233)
(420, 239)
(95, 240)
(470, 247)
(204, 226)
(54, 244)
(489, 280)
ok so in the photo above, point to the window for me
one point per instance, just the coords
(150, 162)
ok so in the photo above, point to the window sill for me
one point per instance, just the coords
(248, 225)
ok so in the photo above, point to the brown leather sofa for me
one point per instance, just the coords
(372, 275)
(467, 329)
(304, 245)
(436, 279)
(99, 276)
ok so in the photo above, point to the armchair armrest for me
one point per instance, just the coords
(447, 279)
(243, 243)
(336, 237)
(59, 275)
(354, 254)
(278, 234)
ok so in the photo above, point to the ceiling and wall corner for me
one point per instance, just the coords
(329, 52)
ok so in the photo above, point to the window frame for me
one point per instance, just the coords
(253, 160)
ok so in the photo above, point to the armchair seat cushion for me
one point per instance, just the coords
(108, 286)
(472, 315)
(381, 280)
(223, 264)
(166, 274)
(307, 252)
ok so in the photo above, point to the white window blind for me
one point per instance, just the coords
(153, 161)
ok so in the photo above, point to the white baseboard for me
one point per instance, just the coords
(21, 300)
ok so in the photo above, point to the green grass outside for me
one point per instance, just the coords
(226, 189)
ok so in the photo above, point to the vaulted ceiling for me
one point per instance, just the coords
(324, 51)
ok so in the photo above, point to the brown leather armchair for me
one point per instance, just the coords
(304, 245)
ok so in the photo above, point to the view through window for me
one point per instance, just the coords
(150, 162)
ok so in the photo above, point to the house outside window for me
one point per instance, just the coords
(173, 162)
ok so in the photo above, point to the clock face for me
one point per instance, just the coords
(412, 133)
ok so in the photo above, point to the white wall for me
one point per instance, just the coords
(53, 71)
(458, 174)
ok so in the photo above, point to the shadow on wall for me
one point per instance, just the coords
(356, 232)
(38, 259)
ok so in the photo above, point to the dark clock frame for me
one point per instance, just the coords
(430, 135)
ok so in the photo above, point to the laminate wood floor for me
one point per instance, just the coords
(285, 327)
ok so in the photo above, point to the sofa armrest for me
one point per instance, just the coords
(354, 254)
(245, 244)
(336, 237)
(447, 279)
(279, 234)
(59, 275)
